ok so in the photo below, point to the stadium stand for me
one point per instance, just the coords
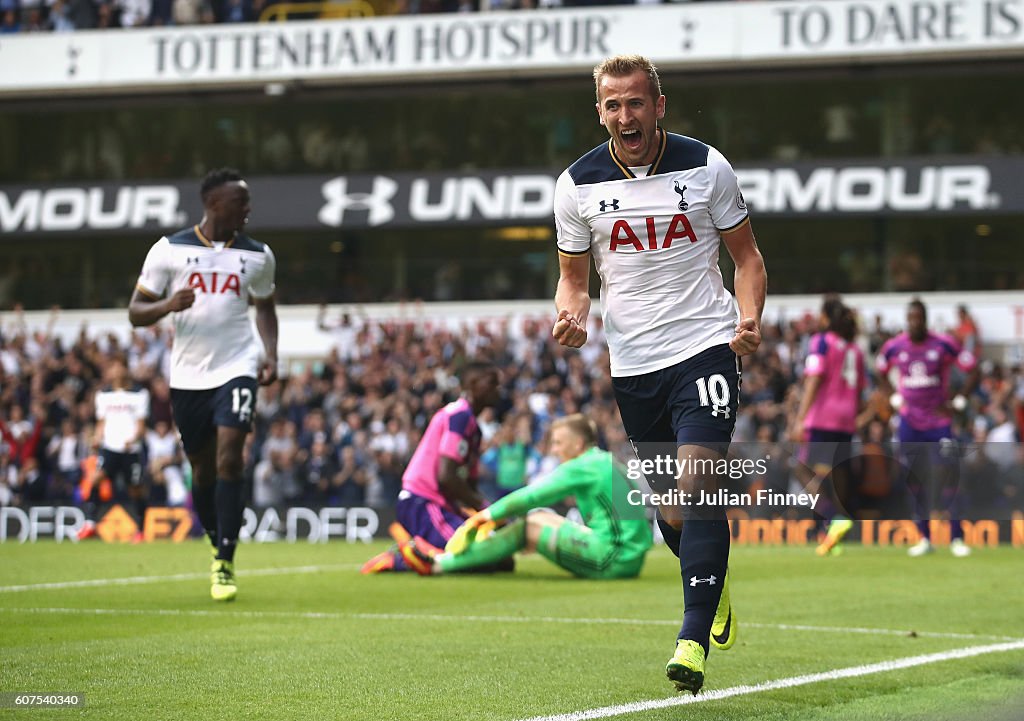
(339, 431)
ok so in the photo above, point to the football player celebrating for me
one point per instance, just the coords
(206, 276)
(653, 208)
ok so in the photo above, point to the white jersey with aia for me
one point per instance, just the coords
(214, 340)
(121, 410)
(654, 234)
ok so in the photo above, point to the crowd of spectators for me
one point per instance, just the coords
(69, 15)
(339, 430)
(27, 16)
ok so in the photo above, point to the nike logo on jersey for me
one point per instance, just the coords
(607, 205)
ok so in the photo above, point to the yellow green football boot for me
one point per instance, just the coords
(686, 668)
(724, 627)
(222, 581)
(836, 530)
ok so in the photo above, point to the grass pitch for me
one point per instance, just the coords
(309, 638)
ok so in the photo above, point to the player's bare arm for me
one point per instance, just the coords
(958, 397)
(751, 284)
(811, 386)
(886, 387)
(266, 325)
(97, 434)
(454, 487)
(140, 433)
(866, 412)
(144, 309)
(572, 300)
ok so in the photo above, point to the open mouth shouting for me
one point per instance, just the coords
(632, 140)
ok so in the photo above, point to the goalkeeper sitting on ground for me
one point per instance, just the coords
(612, 544)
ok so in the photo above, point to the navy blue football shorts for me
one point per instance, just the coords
(198, 413)
(691, 403)
(121, 468)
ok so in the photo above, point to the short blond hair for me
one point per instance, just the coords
(619, 66)
(580, 426)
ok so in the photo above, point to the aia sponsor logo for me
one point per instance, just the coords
(215, 283)
(624, 234)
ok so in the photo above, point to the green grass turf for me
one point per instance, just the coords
(331, 644)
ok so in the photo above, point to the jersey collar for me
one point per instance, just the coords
(654, 166)
(206, 241)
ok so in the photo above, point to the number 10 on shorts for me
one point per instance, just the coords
(713, 391)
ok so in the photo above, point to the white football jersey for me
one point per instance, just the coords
(655, 242)
(121, 410)
(214, 340)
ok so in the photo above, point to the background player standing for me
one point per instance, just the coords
(923, 361)
(652, 208)
(121, 412)
(206, 275)
(834, 381)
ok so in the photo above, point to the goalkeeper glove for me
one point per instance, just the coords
(479, 525)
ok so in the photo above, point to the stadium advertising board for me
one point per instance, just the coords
(966, 185)
(362, 525)
(457, 45)
(315, 525)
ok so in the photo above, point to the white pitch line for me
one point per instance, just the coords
(339, 615)
(877, 631)
(841, 673)
(137, 580)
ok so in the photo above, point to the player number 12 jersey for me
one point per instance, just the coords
(214, 340)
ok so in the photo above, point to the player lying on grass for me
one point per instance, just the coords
(612, 544)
